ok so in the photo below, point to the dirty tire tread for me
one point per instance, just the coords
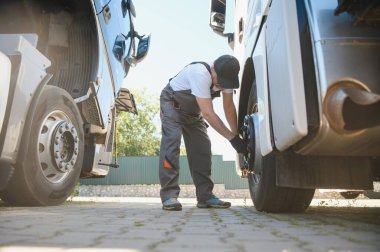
(267, 197)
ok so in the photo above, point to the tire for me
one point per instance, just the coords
(265, 194)
(350, 194)
(268, 197)
(48, 171)
(372, 194)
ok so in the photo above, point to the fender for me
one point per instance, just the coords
(25, 136)
(28, 72)
(7, 166)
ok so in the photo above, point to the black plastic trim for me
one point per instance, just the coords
(308, 66)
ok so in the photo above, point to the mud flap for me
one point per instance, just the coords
(298, 171)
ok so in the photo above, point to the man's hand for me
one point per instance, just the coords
(239, 144)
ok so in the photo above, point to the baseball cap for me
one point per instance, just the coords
(227, 68)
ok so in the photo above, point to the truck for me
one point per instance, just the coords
(62, 67)
(309, 100)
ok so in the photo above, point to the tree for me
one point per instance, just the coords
(137, 135)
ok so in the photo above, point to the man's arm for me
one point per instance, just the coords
(207, 109)
(230, 111)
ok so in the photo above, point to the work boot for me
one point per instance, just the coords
(214, 203)
(172, 204)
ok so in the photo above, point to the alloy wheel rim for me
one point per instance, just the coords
(58, 145)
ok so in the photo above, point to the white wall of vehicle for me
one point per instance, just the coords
(287, 96)
(5, 75)
(32, 72)
(250, 17)
(239, 46)
(249, 14)
(252, 13)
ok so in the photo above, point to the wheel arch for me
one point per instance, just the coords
(246, 84)
(26, 132)
(248, 76)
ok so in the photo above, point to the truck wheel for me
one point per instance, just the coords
(53, 156)
(372, 194)
(265, 194)
(269, 197)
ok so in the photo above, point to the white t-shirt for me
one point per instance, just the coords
(195, 77)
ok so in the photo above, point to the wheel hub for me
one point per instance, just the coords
(65, 146)
(252, 159)
(58, 146)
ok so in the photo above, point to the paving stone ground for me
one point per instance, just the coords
(139, 224)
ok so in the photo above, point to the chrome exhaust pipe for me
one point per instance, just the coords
(350, 106)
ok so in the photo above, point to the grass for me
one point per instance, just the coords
(139, 223)
(177, 229)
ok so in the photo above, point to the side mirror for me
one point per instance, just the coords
(128, 5)
(131, 8)
(119, 47)
(217, 16)
(217, 21)
(142, 50)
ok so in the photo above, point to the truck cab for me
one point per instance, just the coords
(62, 68)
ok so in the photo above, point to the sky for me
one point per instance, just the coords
(180, 34)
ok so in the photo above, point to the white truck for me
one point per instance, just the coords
(62, 66)
(309, 101)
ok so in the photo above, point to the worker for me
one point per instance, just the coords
(184, 104)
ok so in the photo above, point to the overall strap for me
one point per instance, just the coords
(203, 63)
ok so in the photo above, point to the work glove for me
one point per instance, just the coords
(239, 144)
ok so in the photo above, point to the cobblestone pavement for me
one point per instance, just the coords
(139, 224)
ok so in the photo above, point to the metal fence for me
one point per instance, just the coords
(144, 170)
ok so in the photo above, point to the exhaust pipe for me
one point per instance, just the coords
(350, 106)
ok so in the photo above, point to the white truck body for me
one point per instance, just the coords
(309, 101)
(62, 65)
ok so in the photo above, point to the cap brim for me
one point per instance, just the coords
(228, 83)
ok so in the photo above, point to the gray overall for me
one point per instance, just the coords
(180, 115)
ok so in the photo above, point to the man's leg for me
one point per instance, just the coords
(198, 147)
(169, 154)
